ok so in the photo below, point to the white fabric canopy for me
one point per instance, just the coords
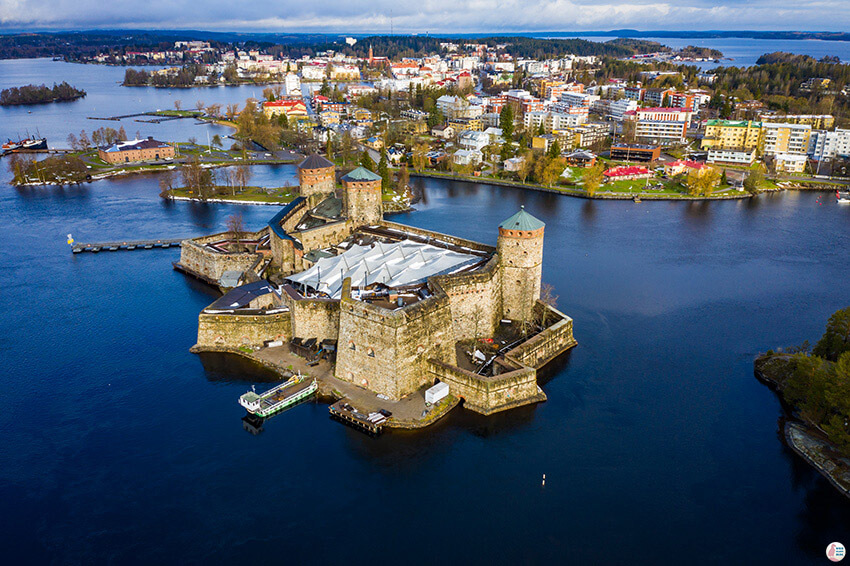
(394, 265)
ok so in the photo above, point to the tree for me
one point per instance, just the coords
(122, 134)
(178, 104)
(366, 161)
(506, 122)
(384, 170)
(628, 131)
(242, 175)
(553, 169)
(84, 142)
(754, 182)
(836, 339)
(526, 166)
(420, 156)
(73, 142)
(216, 141)
(593, 177)
(403, 178)
(236, 226)
(345, 146)
(554, 150)
(199, 105)
(548, 298)
(166, 183)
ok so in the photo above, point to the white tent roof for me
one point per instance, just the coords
(394, 265)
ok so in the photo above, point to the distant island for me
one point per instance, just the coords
(33, 94)
(815, 385)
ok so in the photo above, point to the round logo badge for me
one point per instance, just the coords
(835, 552)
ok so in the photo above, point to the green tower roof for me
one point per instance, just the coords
(522, 221)
(361, 174)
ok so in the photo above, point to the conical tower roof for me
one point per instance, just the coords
(522, 221)
(315, 161)
(361, 174)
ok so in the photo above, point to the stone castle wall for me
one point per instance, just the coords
(386, 351)
(557, 338)
(209, 264)
(454, 240)
(487, 395)
(234, 330)
(315, 318)
(476, 300)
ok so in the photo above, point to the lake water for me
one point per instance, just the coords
(745, 52)
(118, 445)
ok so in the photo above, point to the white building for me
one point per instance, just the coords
(829, 145)
(789, 162)
(473, 140)
(731, 156)
(292, 84)
(467, 157)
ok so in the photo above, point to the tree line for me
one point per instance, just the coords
(39, 94)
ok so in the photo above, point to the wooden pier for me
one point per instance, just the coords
(343, 412)
(125, 245)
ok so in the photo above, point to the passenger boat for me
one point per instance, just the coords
(278, 398)
(842, 198)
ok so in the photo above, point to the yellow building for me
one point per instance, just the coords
(467, 124)
(816, 121)
(784, 138)
(732, 134)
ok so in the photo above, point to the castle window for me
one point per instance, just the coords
(370, 352)
(351, 345)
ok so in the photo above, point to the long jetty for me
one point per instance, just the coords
(125, 245)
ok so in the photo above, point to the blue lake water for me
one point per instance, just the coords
(120, 446)
(744, 52)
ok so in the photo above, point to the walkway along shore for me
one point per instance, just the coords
(788, 185)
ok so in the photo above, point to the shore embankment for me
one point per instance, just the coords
(806, 440)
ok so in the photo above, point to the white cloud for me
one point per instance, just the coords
(423, 15)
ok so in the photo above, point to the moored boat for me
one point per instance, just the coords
(842, 197)
(286, 394)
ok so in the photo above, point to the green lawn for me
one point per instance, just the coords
(282, 195)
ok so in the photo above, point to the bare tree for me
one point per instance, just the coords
(548, 298)
(73, 142)
(199, 105)
(242, 175)
(166, 183)
(178, 104)
(236, 226)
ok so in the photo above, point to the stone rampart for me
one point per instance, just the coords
(557, 338)
(476, 300)
(315, 318)
(235, 330)
(454, 240)
(488, 395)
(386, 351)
(210, 264)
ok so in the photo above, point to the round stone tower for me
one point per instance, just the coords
(362, 197)
(520, 249)
(316, 177)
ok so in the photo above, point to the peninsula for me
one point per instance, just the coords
(378, 312)
(815, 385)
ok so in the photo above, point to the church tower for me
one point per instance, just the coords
(362, 197)
(520, 249)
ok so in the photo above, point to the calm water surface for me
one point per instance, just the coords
(120, 446)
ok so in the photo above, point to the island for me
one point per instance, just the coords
(814, 385)
(41, 94)
(376, 312)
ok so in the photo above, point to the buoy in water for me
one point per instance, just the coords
(544, 480)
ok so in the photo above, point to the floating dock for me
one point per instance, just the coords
(126, 245)
(372, 424)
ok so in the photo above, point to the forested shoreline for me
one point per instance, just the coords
(39, 94)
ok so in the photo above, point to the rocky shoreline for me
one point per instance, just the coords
(805, 440)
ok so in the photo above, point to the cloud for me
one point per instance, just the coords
(447, 16)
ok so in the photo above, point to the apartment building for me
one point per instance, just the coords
(731, 134)
(784, 138)
(824, 145)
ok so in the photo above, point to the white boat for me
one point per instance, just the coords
(278, 398)
(842, 197)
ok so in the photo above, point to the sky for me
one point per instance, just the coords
(421, 16)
